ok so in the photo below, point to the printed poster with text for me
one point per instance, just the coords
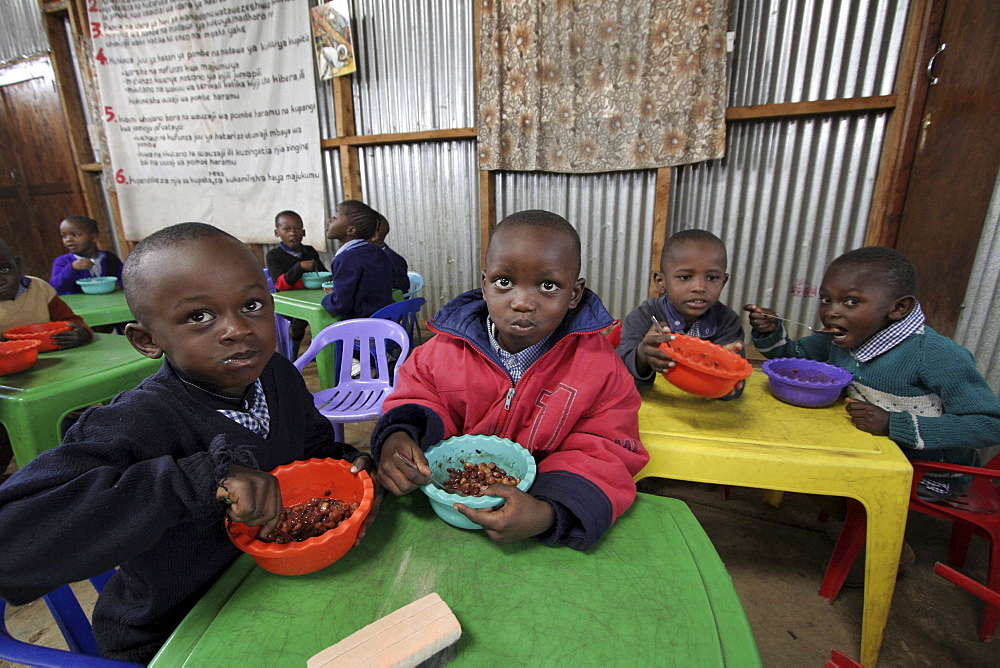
(210, 109)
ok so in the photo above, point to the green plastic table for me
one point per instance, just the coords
(652, 592)
(34, 402)
(106, 309)
(307, 305)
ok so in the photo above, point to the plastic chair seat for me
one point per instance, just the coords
(75, 628)
(357, 399)
(977, 511)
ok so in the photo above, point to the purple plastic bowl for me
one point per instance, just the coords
(806, 383)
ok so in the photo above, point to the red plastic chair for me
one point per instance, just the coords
(977, 511)
(840, 660)
(615, 335)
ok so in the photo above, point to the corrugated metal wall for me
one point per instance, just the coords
(791, 195)
(979, 325)
(22, 34)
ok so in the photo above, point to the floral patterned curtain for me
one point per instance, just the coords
(594, 86)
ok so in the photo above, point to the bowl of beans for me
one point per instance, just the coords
(315, 279)
(465, 465)
(324, 507)
(704, 368)
(806, 383)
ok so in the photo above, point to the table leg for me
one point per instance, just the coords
(29, 433)
(326, 359)
(886, 526)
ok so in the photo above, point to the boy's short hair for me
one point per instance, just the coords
(169, 236)
(540, 218)
(690, 235)
(289, 213)
(898, 272)
(89, 223)
(361, 216)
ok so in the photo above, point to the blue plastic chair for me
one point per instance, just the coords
(75, 628)
(405, 314)
(416, 284)
(357, 399)
(270, 283)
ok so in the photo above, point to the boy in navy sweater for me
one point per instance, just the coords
(139, 483)
(692, 274)
(911, 384)
(362, 273)
(289, 261)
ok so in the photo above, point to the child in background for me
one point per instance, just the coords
(289, 261)
(911, 384)
(84, 260)
(400, 279)
(362, 273)
(143, 482)
(524, 358)
(691, 277)
(26, 300)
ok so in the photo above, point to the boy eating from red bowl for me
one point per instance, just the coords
(524, 358)
(140, 483)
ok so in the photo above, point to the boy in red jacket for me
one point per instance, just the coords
(524, 358)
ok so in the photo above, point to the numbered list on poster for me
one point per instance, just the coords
(210, 109)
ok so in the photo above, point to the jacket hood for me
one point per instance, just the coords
(465, 317)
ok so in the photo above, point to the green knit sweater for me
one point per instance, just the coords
(940, 407)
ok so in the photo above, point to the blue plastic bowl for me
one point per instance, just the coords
(98, 285)
(314, 279)
(806, 383)
(475, 448)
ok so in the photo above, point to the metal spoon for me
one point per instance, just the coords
(662, 331)
(796, 322)
(409, 462)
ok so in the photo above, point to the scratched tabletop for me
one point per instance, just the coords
(652, 592)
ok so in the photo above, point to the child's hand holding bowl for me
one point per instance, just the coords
(76, 335)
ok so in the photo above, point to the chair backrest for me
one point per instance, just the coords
(75, 627)
(416, 284)
(270, 283)
(283, 339)
(404, 313)
(371, 336)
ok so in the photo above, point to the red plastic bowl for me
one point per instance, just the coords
(704, 368)
(41, 332)
(301, 481)
(17, 356)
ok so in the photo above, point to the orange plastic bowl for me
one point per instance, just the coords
(301, 481)
(41, 332)
(17, 356)
(704, 368)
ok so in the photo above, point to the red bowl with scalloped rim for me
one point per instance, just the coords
(301, 481)
(16, 356)
(704, 368)
(41, 332)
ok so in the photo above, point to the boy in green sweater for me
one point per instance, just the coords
(911, 384)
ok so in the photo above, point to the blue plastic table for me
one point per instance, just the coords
(653, 592)
(34, 402)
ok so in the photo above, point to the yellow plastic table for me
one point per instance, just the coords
(106, 309)
(653, 592)
(759, 441)
(307, 305)
(34, 402)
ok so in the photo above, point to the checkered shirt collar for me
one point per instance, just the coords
(891, 336)
(516, 363)
(254, 415)
(704, 327)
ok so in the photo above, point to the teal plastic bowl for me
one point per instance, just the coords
(475, 448)
(98, 285)
(314, 279)
(327, 285)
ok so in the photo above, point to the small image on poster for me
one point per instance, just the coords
(331, 24)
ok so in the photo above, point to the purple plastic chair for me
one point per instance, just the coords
(403, 313)
(76, 630)
(283, 342)
(357, 399)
